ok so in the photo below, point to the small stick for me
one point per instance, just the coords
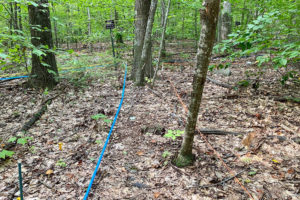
(20, 181)
(223, 181)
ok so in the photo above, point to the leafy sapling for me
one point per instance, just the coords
(173, 134)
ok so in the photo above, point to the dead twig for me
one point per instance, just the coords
(223, 181)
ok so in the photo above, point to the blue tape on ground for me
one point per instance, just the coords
(107, 139)
(10, 78)
(64, 71)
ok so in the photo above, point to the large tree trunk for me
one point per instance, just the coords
(142, 8)
(44, 71)
(209, 18)
(146, 52)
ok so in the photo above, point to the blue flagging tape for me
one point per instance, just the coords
(107, 139)
(64, 71)
(9, 78)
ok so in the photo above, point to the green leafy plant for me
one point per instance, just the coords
(253, 172)
(22, 140)
(32, 149)
(98, 116)
(98, 142)
(166, 154)
(173, 134)
(103, 117)
(61, 163)
(270, 37)
(5, 153)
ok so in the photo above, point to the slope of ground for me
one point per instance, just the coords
(137, 163)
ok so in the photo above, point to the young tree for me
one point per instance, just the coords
(146, 52)
(226, 21)
(142, 8)
(162, 41)
(44, 71)
(209, 18)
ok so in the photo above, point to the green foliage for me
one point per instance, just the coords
(253, 172)
(98, 116)
(5, 153)
(166, 154)
(103, 117)
(270, 36)
(173, 134)
(61, 163)
(219, 66)
(98, 142)
(21, 140)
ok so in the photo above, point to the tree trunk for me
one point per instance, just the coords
(161, 46)
(16, 17)
(44, 71)
(55, 27)
(209, 18)
(226, 21)
(196, 27)
(182, 25)
(243, 14)
(163, 16)
(20, 18)
(146, 52)
(142, 8)
(89, 29)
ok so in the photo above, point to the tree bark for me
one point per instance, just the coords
(89, 29)
(16, 17)
(226, 21)
(161, 46)
(209, 18)
(20, 18)
(142, 8)
(44, 71)
(146, 52)
(55, 27)
(163, 16)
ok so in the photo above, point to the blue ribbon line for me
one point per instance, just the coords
(64, 71)
(9, 78)
(107, 139)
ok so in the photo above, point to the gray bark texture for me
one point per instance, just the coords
(163, 15)
(226, 21)
(146, 51)
(209, 19)
(44, 71)
(162, 41)
(89, 29)
(142, 8)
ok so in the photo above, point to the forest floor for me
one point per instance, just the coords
(137, 162)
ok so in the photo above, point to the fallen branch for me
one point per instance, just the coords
(32, 121)
(217, 132)
(223, 181)
(287, 99)
(220, 84)
(37, 115)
